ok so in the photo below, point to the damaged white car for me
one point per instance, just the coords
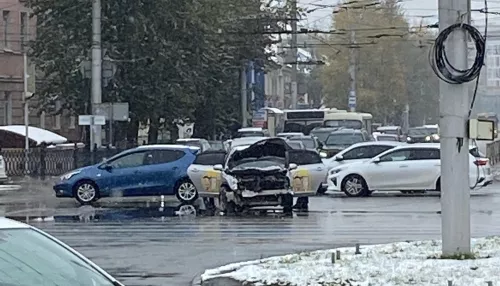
(257, 175)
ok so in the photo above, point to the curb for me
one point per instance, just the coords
(222, 281)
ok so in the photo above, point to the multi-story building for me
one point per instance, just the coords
(17, 28)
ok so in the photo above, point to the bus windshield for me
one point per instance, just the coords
(302, 127)
(351, 124)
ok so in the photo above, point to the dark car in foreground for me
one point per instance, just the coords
(148, 170)
(29, 256)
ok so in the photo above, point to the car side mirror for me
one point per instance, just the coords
(292, 166)
(106, 167)
(218, 167)
(376, 160)
(339, 158)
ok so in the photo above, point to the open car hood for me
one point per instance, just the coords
(270, 147)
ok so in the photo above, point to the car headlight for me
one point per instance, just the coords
(435, 137)
(68, 176)
(428, 138)
(408, 138)
(335, 171)
(232, 183)
(323, 154)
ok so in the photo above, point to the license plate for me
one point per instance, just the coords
(488, 171)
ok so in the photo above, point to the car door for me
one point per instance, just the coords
(424, 167)
(390, 173)
(202, 173)
(160, 175)
(310, 173)
(125, 175)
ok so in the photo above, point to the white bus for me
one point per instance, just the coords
(304, 120)
(352, 120)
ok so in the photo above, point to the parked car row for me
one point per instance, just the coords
(406, 168)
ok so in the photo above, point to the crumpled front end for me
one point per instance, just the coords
(259, 175)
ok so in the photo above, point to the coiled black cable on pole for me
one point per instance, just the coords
(442, 66)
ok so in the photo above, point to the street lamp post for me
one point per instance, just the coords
(86, 70)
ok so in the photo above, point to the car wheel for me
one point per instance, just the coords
(186, 192)
(86, 192)
(287, 202)
(185, 210)
(322, 190)
(225, 206)
(354, 186)
(438, 185)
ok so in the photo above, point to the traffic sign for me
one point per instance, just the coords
(91, 120)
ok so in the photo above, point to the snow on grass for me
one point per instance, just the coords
(402, 263)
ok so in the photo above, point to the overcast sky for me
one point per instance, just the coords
(415, 9)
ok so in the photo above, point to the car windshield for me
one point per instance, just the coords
(308, 142)
(263, 162)
(322, 134)
(189, 143)
(354, 124)
(386, 138)
(421, 131)
(295, 144)
(250, 134)
(28, 257)
(390, 131)
(344, 139)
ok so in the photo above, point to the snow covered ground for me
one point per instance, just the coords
(402, 263)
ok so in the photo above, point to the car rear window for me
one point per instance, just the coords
(210, 158)
(304, 157)
(476, 153)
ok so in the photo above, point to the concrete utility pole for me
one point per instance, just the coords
(453, 109)
(352, 98)
(244, 100)
(294, 54)
(96, 70)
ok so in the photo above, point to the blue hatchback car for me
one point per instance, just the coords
(149, 170)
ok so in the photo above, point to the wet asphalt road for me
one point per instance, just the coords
(142, 244)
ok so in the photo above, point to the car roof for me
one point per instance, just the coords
(169, 147)
(6, 223)
(388, 128)
(379, 143)
(345, 130)
(189, 139)
(426, 145)
(251, 129)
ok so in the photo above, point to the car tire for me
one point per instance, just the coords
(322, 190)
(86, 192)
(186, 192)
(354, 186)
(438, 185)
(287, 203)
(228, 208)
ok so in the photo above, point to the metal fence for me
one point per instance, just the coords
(44, 161)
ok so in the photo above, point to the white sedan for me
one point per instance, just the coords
(359, 152)
(29, 256)
(415, 167)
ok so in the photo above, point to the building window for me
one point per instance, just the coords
(57, 118)
(24, 30)
(5, 18)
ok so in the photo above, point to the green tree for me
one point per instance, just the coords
(381, 33)
(175, 59)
